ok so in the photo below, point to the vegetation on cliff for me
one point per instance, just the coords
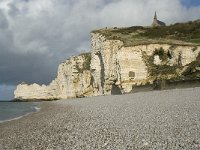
(179, 34)
(193, 69)
(164, 71)
(86, 63)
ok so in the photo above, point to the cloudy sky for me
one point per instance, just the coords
(36, 35)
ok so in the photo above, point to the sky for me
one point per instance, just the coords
(190, 3)
(37, 35)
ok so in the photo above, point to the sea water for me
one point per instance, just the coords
(14, 110)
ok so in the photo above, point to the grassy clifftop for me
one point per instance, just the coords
(179, 34)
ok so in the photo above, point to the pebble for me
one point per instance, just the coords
(147, 120)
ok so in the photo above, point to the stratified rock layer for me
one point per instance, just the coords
(113, 68)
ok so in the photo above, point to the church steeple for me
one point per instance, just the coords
(155, 16)
(157, 22)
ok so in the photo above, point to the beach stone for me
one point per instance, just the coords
(148, 120)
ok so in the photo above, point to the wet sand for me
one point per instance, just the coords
(148, 120)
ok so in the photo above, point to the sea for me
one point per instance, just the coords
(15, 110)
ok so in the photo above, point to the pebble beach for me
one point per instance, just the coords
(163, 120)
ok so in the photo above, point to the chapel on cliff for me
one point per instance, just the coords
(157, 22)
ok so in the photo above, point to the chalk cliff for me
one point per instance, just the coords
(73, 80)
(116, 68)
(120, 60)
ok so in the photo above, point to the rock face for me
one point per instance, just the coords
(74, 77)
(116, 69)
(73, 80)
(113, 68)
(35, 91)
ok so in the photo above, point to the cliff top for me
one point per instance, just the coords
(178, 34)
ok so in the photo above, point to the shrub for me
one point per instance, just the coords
(169, 55)
(86, 63)
(161, 53)
(159, 70)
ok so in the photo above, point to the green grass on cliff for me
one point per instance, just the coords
(197, 41)
(179, 34)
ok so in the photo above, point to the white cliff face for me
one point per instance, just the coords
(102, 63)
(73, 80)
(157, 60)
(114, 69)
(35, 91)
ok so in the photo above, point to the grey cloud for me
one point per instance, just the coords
(30, 67)
(3, 21)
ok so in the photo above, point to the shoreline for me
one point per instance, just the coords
(165, 119)
(36, 110)
(134, 91)
(160, 85)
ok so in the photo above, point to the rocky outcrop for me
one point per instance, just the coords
(73, 80)
(74, 77)
(35, 91)
(115, 68)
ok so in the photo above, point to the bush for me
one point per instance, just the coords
(86, 63)
(161, 53)
(169, 55)
(159, 70)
